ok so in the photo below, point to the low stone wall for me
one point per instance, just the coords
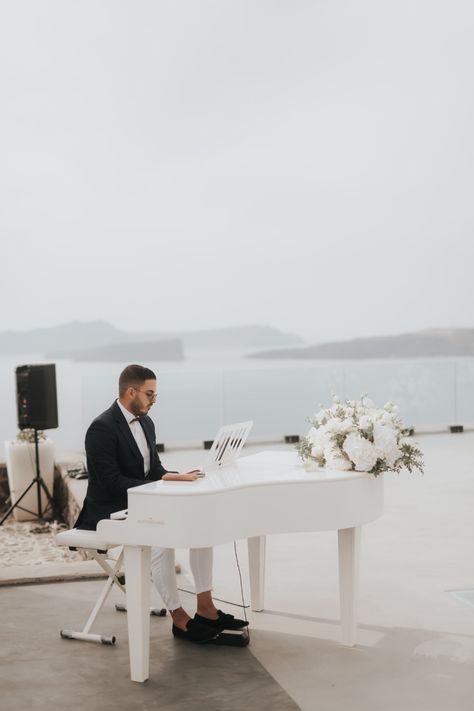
(68, 495)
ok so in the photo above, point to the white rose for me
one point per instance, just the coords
(360, 451)
(365, 422)
(344, 426)
(333, 424)
(319, 437)
(336, 460)
(385, 438)
(321, 416)
(392, 455)
(317, 451)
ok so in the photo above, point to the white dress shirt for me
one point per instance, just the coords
(139, 436)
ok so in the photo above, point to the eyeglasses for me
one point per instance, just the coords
(150, 396)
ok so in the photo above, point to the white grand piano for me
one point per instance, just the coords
(260, 494)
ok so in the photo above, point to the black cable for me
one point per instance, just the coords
(247, 629)
(219, 599)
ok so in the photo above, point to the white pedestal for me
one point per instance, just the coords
(21, 470)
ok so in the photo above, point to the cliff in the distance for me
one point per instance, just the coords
(430, 343)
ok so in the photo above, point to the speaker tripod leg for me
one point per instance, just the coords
(48, 494)
(13, 506)
(38, 476)
(40, 484)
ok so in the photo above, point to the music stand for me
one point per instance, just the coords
(227, 444)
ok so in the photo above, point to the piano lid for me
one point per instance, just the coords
(265, 468)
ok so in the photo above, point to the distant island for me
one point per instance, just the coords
(67, 336)
(238, 337)
(100, 341)
(421, 344)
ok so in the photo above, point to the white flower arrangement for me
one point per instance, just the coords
(356, 435)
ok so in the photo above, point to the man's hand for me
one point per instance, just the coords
(188, 476)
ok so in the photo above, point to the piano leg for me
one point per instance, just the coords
(256, 548)
(137, 573)
(349, 547)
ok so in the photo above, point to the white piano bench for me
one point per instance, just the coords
(98, 550)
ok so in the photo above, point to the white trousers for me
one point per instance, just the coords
(164, 576)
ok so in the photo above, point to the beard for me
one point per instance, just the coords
(138, 408)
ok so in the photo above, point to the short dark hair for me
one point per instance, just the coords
(134, 375)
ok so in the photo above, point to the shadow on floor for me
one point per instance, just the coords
(40, 670)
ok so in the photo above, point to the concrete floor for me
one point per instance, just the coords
(415, 644)
(40, 670)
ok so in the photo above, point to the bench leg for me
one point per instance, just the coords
(86, 634)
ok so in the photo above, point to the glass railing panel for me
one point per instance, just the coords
(98, 392)
(464, 392)
(189, 406)
(193, 404)
(423, 389)
(278, 399)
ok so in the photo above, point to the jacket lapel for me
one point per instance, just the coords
(125, 430)
(148, 436)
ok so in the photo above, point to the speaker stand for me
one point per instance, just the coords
(38, 480)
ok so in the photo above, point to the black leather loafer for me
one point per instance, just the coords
(223, 622)
(195, 632)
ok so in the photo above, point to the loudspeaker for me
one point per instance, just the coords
(36, 397)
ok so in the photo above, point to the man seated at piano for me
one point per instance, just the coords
(121, 453)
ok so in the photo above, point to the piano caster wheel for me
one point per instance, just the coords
(121, 608)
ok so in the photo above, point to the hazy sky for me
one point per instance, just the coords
(191, 163)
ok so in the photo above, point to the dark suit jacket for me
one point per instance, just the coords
(115, 464)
